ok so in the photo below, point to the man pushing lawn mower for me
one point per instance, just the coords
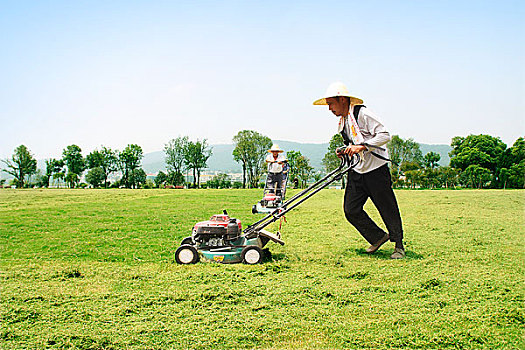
(365, 135)
(222, 238)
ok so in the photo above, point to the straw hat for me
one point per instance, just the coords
(338, 89)
(275, 148)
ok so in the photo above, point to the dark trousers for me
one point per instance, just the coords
(376, 185)
(276, 179)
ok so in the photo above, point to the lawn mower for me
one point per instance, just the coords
(272, 197)
(221, 239)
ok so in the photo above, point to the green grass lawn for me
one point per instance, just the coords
(94, 269)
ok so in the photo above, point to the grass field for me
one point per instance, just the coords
(94, 269)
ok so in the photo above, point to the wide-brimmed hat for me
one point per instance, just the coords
(338, 89)
(275, 148)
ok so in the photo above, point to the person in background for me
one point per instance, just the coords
(275, 160)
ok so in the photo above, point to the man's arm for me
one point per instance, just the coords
(380, 136)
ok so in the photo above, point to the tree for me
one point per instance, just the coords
(402, 152)
(241, 152)
(517, 175)
(175, 178)
(106, 159)
(518, 150)
(72, 156)
(53, 166)
(413, 178)
(196, 155)
(448, 176)
(487, 152)
(95, 177)
(38, 179)
(138, 177)
(57, 170)
(511, 166)
(160, 179)
(407, 166)
(482, 150)
(220, 180)
(72, 179)
(431, 160)
(21, 165)
(475, 176)
(49, 172)
(330, 160)
(174, 151)
(224, 180)
(503, 176)
(318, 175)
(250, 150)
(61, 176)
(299, 167)
(128, 160)
(94, 159)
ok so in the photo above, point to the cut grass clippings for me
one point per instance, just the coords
(94, 269)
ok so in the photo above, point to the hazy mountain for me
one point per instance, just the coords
(222, 159)
(442, 150)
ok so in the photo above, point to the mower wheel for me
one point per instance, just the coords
(252, 255)
(186, 254)
(254, 209)
(187, 240)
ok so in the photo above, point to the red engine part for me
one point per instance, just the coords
(218, 220)
(270, 197)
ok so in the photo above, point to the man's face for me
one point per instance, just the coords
(336, 105)
(275, 154)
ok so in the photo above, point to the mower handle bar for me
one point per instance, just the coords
(347, 163)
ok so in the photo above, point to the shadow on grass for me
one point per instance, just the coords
(385, 254)
(269, 257)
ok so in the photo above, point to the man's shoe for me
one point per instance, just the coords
(374, 247)
(398, 253)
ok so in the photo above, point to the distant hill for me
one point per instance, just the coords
(442, 150)
(222, 159)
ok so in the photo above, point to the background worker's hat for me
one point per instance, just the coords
(275, 148)
(338, 89)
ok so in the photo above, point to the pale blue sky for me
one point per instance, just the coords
(117, 72)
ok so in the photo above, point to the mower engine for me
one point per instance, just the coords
(219, 231)
(270, 200)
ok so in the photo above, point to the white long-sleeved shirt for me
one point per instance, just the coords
(375, 134)
(275, 167)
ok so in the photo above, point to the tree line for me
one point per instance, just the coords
(476, 161)
(99, 165)
(181, 155)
